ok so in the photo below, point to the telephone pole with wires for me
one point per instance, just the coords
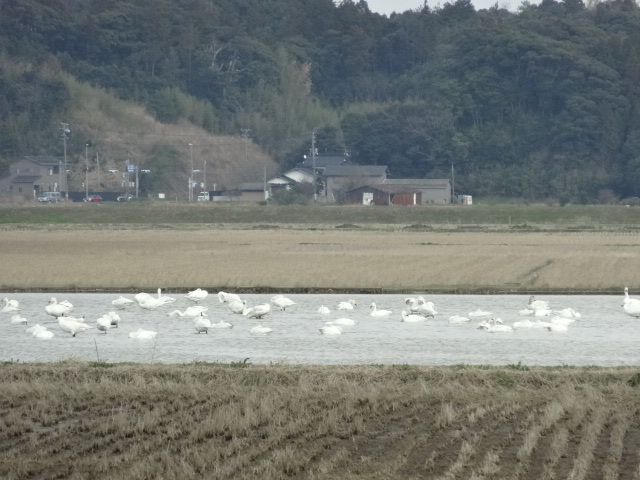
(65, 130)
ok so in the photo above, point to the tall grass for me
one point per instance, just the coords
(79, 420)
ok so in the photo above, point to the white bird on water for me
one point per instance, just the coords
(202, 324)
(193, 311)
(343, 322)
(631, 305)
(143, 334)
(282, 302)
(412, 317)
(375, 312)
(40, 332)
(121, 302)
(259, 311)
(237, 306)
(56, 309)
(18, 319)
(197, 295)
(228, 297)
(103, 323)
(260, 330)
(331, 330)
(10, 305)
(324, 310)
(72, 326)
(348, 305)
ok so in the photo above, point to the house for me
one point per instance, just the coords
(248, 192)
(290, 178)
(33, 174)
(384, 195)
(338, 179)
(433, 191)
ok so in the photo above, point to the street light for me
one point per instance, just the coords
(86, 175)
(191, 177)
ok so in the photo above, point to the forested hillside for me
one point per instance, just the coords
(540, 103)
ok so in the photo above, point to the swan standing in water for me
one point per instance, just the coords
(72, 326)
(631, 305)
(197, 295)
(324, 310)
(379, 313)
(237, 306)
(103, 323)
(115, 319)
(282, 302)
(121, 302)
(533, 304)
(202, 324)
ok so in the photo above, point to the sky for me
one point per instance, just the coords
(386, 7)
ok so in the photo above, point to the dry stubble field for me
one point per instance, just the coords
(74, 420)
(297, 260)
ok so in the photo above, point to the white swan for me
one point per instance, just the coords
(479, 313)
(72, 326)
(10, 306)
(557, 328)
(193, 311)
(348, 305)
(533, 303)
(18, 319)
(115, 319)
(568, 313)
(221, 324)
(457, 319)
(331, 330)
(227, 297)
(149, 302)
(379, 313)
(494, 325)
(426, 308)
(558, 320)
(412, 317)
(237, 306)
(56, 309)
(143, 334)
(197, 295)
(259, 311)
(282, 302)
(631, 305)
(323, 310)
(260, 330)
(103, 323)
(121, 302)
(414, 302)
(342, 322)
(202, 324)
(39, 331)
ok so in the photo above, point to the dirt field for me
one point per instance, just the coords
(361, 422)
(319, 259)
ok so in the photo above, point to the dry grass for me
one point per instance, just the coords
(293, 260)
(77, 420)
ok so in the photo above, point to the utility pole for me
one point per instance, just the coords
(86, 175)
(65, 129)
(453, 185)
(191, 177)
(313, 163)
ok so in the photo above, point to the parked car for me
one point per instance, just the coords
(93, 198)
(124, 197)
(50, 197)
(204, 197)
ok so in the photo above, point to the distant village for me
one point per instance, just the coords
(337, 181)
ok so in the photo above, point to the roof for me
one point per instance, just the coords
(251, 187)
(394, 189)
(44, 159)
(355, 171)
(322, 161)
(26, 178)
(421, 183)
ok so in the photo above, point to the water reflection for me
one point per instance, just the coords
(604, 335)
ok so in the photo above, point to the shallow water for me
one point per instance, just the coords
(604, 335)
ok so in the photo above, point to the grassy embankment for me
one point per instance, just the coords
(360, 422)
(573, 249)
